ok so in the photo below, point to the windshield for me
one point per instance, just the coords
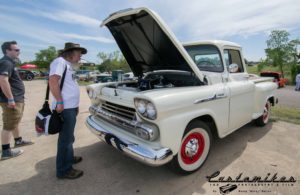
(206, 57)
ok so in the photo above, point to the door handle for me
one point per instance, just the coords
(221, 95)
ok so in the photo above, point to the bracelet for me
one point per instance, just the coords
(60, 102)
(11, 100)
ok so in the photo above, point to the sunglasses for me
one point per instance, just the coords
(16, 50)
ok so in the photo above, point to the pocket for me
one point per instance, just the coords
(18, 108)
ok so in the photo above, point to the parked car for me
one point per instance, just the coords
(187, 93)
(103, 78)
(44, 74)
(26, 74)
(82, 75)
(36, 73)
(129, 76)
(106, 77)
(278, 78)
(91, 76)
(227, 188)
(117, 75)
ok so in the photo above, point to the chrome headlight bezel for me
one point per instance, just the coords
(92, 94)
(145, 108)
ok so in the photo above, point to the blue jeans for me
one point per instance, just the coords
(65, 153)
(297, 86)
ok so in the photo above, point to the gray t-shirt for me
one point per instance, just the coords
(8, 68)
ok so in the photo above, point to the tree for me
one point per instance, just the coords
(103, 56)
(112, 61)
(44, 57)
(278, 48)
(294, 44)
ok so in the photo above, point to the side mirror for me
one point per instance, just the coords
(233, 68)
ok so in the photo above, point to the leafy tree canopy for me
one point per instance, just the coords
(44, 57)
(112, 61)
(279, 51)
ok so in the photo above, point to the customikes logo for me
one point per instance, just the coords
(248, 184)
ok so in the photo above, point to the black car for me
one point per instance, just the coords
(44, 74)
(26, 75)
(227, 188)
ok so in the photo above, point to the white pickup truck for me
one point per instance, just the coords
(186, 94)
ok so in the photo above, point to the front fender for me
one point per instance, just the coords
(172, 128)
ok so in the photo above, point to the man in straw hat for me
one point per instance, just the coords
(66, 102)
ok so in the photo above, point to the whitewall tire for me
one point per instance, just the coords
(194, 148)
(265, 117)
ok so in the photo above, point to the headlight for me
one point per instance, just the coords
(141, 106)
(145, 108)
(151, 112)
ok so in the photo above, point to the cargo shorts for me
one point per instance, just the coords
(11, 117)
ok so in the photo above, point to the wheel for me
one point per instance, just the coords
(194, 148)
(29, 77)
(264, 119)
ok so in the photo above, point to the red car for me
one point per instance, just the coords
(278, 78)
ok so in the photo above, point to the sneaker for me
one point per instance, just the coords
(22, 142)
(72, 174)
(10, 153)
(77, 159)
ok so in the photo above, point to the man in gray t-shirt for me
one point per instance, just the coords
(11, 100)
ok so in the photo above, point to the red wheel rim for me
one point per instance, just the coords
(266, 112)
(192, 148)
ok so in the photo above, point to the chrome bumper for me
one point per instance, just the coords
(145, 155)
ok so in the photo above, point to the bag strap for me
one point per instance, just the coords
(61, 85)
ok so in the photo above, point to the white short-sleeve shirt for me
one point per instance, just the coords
(70, 91)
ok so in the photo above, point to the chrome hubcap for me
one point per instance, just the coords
(191, 148)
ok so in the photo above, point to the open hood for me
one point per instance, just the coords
(146, 42)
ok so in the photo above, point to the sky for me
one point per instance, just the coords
(38, 24)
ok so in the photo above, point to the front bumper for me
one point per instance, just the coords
(146, 155)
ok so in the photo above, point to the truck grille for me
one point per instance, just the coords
(122, 111)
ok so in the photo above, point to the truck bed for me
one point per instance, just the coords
(258, 79)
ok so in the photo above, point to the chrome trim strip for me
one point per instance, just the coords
(146, 155)
(214, 97)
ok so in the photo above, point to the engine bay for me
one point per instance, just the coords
(159, 80)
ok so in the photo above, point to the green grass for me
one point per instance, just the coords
(291, 115)
(282, 113)
(286, 71)
(252, 69)
(84, 83)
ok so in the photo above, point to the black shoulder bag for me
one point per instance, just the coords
(47, 121)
